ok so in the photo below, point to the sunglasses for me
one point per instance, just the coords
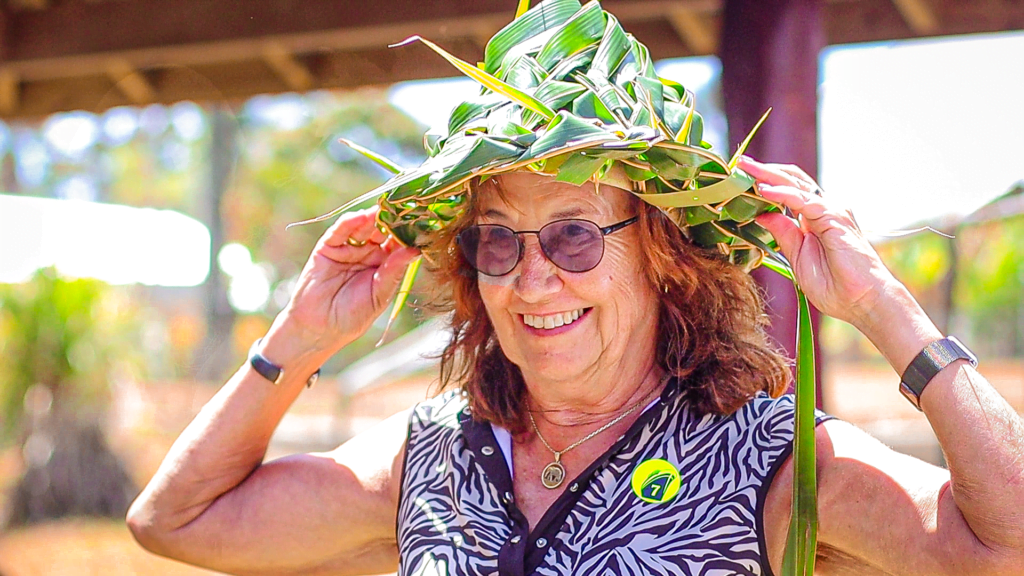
(572, 244)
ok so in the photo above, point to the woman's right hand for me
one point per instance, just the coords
(350, 277)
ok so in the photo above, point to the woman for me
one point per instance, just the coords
(617, 414)
(213, 504)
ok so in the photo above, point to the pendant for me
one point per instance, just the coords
(553, 475)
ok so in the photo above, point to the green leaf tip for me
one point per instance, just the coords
(524, 5)
(381, 161)
(403, 295)
(486, 80)
(746, 141)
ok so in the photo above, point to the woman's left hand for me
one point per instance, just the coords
(835, 265)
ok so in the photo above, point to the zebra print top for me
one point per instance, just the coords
(457, 514)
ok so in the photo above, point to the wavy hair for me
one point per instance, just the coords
(711, 325)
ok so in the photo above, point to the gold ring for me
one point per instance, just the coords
(356, 243)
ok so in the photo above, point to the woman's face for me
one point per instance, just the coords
(534, 307)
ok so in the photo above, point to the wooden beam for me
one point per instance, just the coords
(61, 58)
(74, 28)
(10, 92)
(693, 28)
(130, 82)
(293, 73)
(919, 16)
(864, 21)
(236, 81)
(660, 38)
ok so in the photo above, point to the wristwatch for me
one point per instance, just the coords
(271, 371)
(928, 363)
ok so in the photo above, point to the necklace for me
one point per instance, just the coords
(554, 473)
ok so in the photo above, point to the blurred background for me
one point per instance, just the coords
(152, 153)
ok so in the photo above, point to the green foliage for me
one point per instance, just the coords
(69, 336)
(990, 281)
(984, 293)
(283, 176)
(919, 261)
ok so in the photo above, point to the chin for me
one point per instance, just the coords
(555, 367)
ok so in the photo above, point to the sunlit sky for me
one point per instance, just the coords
(917, 129)
(117, 244)
(908, 131)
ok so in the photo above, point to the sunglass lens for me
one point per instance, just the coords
(492, 250)
(573, 245)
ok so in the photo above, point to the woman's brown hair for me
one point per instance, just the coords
(710, 330)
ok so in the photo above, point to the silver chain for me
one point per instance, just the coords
(558, 454)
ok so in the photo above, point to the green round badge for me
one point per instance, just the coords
(655, 481)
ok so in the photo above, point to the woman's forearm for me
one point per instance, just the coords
(224, 443)
(981, 435)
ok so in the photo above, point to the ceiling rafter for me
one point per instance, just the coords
(919, 15)
(10, 92)
(693, 28)
(295, 75)
(130, 82)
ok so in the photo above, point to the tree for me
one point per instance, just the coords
(63, 342)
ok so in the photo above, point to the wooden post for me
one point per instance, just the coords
(769, 51)
(215, 355)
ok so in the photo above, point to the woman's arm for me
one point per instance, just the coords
(981, 435)
(213, 504)
(881, 512)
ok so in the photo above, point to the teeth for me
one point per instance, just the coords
(553, 320)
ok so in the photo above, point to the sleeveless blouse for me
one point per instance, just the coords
(457, 514)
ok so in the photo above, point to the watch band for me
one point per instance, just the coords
(930, 362)
(271, 371)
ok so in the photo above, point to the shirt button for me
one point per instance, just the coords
(487, 451)
(574, 487)
(515, 539)
(541, 542)
(507, 498)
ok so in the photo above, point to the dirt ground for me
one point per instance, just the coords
(83, 548)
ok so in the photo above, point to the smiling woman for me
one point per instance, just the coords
(615, 406)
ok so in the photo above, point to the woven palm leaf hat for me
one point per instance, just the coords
(566, 92)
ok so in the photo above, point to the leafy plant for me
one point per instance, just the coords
(62, 342)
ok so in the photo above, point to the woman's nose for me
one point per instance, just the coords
(538, 276)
